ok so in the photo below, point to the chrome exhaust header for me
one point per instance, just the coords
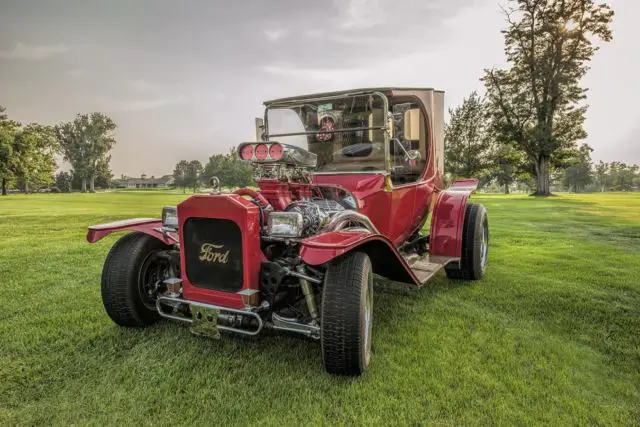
(342, 219)
(225, 313)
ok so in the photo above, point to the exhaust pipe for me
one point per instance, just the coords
(340, 221)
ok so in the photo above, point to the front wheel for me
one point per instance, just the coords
(130, 277)
(347, 315)
(475, 245)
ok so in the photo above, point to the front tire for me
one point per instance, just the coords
(347, 314)
(129, 275)
(475, 245)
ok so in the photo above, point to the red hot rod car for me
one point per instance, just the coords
(347, 181)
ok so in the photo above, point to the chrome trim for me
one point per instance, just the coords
(340, 220)
(209, 306)
(283, 324)
(484, 247)
(314, 98)
(315, 132)
(373, 172)
(166, 231)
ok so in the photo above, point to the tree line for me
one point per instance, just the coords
(528, 125)
(228, 168)
(28, 152)
(472, 150)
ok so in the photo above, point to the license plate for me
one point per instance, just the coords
(205, 322)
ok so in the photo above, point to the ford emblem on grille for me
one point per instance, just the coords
(213, 253)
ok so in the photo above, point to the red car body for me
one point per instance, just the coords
(397, 212)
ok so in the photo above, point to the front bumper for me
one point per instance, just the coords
(222, 318)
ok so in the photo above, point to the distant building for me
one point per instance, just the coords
(144, 182)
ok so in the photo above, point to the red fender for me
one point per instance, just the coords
(385, 258)
(447, 219)
(148, 226)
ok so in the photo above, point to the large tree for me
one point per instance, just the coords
(537, 103)
(86, 142)
(467, 143)
(34, 163)
(26, 154)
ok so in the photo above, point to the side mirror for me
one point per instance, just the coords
(259, 129)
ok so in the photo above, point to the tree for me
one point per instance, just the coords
(103, 177)
(86, 142)
(180, 173)
(602, 175)
(26, 153)
(34, 162)
(623, 177)
(103, 173)
(579, 174)
(229, 169)
(467, 144)
(63, 182)
(192, 174)
(536, 103)
(508, 165)
(7, 145)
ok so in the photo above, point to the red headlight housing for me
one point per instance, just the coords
(246, 152)
(261, 152)
(275, 151)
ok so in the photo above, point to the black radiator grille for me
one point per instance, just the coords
(213, 253)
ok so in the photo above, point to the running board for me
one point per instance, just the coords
(425, 267)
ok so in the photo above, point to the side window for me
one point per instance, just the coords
(409, 143)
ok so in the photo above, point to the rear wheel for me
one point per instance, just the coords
(475, 245)
(347, 315)
(130, 276)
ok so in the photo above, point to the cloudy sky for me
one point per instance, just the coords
(184, 80)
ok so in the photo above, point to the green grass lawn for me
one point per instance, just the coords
(551, 335)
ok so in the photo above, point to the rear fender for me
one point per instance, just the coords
(447, 221)
(385, 258)
(150, 226)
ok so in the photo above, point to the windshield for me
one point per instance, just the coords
(347, 134)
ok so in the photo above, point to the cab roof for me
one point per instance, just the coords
(385, 90)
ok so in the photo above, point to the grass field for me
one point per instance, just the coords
(551, 335)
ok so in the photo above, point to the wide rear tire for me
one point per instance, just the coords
(347, 314)
(475, 245)
(128, 273)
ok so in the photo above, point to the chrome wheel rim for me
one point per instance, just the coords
(484, 246)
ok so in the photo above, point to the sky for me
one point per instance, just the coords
(184, 80)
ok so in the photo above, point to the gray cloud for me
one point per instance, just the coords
(33, 53)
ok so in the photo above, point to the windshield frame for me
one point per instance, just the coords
(296, 102)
